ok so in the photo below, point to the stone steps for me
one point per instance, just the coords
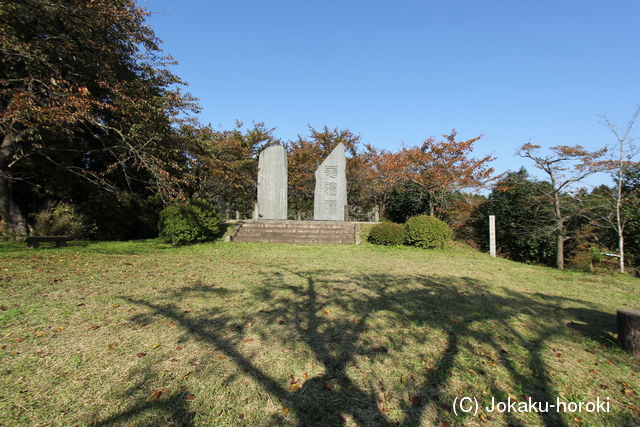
(302, 232)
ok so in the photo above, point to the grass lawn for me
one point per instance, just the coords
(231, 334)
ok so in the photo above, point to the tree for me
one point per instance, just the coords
(524, 219)
(84, 91)
(623, 152)
(225, 163)
(381, 175)
(631, 214)
(407, 200)
(564, 167)
(442, 167)
(432, 173)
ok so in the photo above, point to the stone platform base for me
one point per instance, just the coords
(305, 232)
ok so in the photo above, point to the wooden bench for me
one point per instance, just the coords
(34, 241)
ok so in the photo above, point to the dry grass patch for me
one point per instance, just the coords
(141, 334)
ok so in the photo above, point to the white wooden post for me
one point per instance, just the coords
(492, 235)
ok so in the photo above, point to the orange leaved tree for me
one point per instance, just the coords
(439, 168)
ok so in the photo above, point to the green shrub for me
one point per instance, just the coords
(386, 233)
(426, 231)
(198, 221)
(61, 219)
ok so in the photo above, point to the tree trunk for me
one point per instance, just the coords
(12, 220)
(621, 248)
(619, 224)
(559, 231)
(559, 250)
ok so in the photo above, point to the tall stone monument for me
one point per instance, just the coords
(331, 187)
(272, 183)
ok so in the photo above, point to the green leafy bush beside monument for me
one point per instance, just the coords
(387, 233)
(426, 231)
(199, 221)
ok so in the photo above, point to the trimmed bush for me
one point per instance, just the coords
(426, 231)
(199, 221)
(387, 233)
(62, 219)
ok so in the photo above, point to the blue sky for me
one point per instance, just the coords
(515, 71)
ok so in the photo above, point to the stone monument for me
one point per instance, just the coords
(272, 183)
(331, 187)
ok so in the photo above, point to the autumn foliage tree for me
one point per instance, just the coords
(564, 166)
(84, 92)
(445, 166)
(382, 174)
(435, 169)
(225, 163)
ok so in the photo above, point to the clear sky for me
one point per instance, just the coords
(391, 71)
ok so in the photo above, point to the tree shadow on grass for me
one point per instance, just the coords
(172, 407)
(595, 325)
(299, 303)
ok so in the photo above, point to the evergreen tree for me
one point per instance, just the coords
(524, 220)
